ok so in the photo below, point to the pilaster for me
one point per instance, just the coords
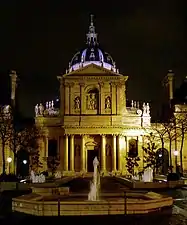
(83, 158)
(72, 166)
(114, 154)
(103, 153)
(66, 153)
(114, 97)
(66, 98)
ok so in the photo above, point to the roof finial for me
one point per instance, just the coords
(91, 35)
(91, 19)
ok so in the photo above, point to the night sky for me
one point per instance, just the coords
(145, 39)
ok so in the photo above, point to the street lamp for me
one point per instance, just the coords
(25, 161)
(176, 154)
(9, 160)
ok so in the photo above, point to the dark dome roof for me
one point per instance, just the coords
(92, 54)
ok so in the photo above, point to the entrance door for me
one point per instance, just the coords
(91, 155)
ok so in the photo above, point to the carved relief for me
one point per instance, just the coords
(77, 102)
(108, 102)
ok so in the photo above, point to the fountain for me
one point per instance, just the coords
(95, 183)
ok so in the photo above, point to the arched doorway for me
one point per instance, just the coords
(22, 163)
(162, 161)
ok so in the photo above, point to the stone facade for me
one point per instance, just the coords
(93, 120)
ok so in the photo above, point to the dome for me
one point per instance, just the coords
(92, 54)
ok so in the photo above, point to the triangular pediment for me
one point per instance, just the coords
(93, 69)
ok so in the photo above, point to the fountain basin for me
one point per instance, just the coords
(133, 184)
(109, 204)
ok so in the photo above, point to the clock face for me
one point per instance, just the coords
(139, 112)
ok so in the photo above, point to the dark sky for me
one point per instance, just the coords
(145, 38)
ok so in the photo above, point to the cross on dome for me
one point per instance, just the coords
(91, 35)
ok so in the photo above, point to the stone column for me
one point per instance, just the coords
(119, 153)
(101, 99)
(72, 167)
(114, 154)
(66, 153)
(103, 153)
(71, 98)
(83, 154)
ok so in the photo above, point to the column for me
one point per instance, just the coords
(66, 153)
(83, 154)
(119, 152)
(103, 153)
(72, 167)
(70, 98)
(101, 99)
(114, 154)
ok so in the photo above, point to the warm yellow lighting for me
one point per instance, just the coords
(122, 143)
(175, 153)
(9, 159)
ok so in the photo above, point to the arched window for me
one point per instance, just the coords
(133, 148)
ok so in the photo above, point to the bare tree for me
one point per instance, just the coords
(150, 152)
(53, 163)
(181, 130)
(166, 133)
(25, 139)
(5, 130)
(132, 163)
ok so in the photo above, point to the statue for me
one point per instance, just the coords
(148, 175)
(108, 103)
(47, 105)
(32, 176)
(77, 103)
(52, 104)
(41, 109)
(93, 102)
(147, 109)
(36, 110)
(144, 109)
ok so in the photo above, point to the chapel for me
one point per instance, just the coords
(93, 117)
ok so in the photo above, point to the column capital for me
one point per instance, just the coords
(113, 84)
(114, 135)
(82, 84)
(71, 84)
(66, 84)
(101, 84)
(103, 135)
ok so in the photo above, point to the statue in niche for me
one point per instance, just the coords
(108, 103)
(92, 101)
(77, 103)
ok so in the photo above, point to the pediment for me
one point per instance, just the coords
(93, 69)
